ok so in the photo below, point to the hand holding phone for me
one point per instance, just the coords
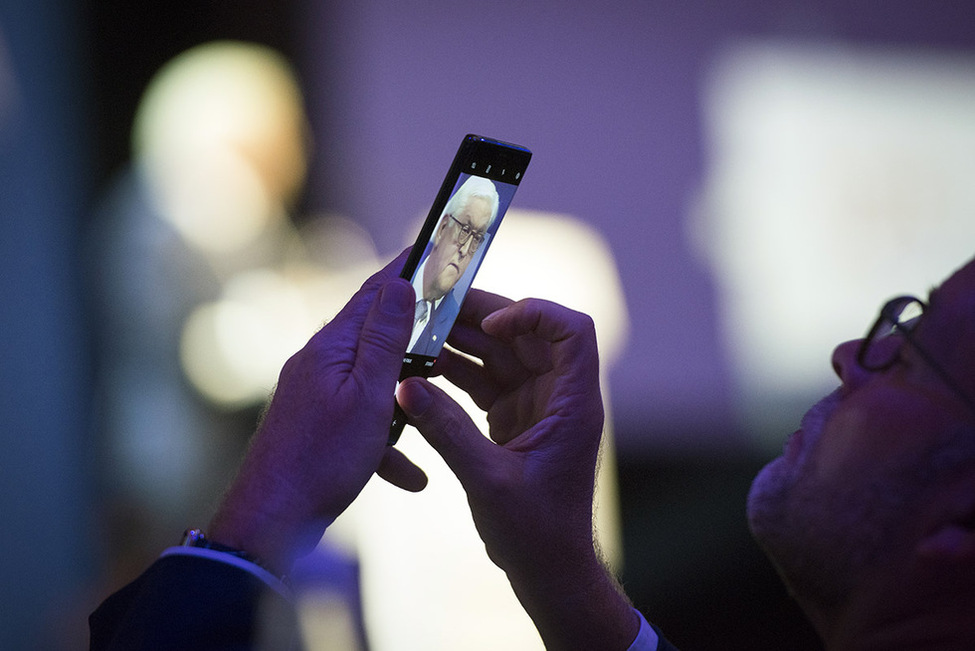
(451, 245)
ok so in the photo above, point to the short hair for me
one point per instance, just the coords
(473, 187)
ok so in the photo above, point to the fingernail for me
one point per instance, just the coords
(395, 297)
(490, 318)
(417, 397)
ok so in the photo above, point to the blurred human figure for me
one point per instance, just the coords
(203, 285)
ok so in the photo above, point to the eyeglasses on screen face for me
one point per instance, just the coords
(464, 233)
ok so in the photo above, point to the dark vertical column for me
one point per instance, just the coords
(45, 501)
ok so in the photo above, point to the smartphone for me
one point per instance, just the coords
(452, 243)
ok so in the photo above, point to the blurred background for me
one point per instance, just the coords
(187, 190)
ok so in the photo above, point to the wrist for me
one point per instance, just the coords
(198, 539)
(581, 606)
(254, 537)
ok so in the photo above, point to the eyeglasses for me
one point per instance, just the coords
(896, 323)
(463, 233)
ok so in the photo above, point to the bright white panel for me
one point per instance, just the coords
(838, 178)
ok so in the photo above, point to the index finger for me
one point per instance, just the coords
(478, 304)
(544, 319)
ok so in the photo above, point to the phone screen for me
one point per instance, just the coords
(452, 257)
(455, 237)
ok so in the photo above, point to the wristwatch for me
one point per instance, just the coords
(196, 538)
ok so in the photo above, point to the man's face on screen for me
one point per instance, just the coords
(453, 248)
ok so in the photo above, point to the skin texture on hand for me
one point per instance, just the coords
(530, 489)
(324, 433)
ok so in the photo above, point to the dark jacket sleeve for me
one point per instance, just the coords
(184, 602)
(662, 643)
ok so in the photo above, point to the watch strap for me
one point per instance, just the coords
(196, 538)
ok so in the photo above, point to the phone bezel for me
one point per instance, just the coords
(493, 159)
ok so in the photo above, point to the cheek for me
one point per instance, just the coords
(865, 438)
(438, 260)
(846, 445)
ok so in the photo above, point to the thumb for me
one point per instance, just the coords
(447, 428)
(385, 334)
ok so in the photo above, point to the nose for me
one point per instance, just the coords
(465, 248)
(845, 364)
